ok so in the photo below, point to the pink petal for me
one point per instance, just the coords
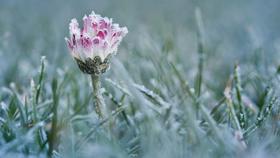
(74, 40)
(86, 42)
(101, 34)
(69, 44)
(95, 41)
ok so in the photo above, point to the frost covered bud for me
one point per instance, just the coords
(94, 44)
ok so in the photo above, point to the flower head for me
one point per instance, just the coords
(94, 44)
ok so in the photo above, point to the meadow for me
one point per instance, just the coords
(192, 78)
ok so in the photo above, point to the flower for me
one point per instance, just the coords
(94, 44)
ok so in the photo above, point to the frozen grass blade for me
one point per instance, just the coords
(200, 50)
(20, 107)
(40, 81)
(52, 137)
(121, 88)
(27, 138)
(201, 107)
(263, 114)
(85, 139)
(227, 93)
(159, 100)
(119, 104)
(241, 110)
(33, 101)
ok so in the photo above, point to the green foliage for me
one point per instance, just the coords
(173, 89)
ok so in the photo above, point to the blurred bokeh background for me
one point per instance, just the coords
(32, 28)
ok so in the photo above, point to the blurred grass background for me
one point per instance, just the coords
(233, 29)
(162, 33)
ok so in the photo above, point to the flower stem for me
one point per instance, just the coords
(97, 95)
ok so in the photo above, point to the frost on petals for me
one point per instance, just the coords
(97, 39)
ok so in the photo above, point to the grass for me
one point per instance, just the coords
(174, 89)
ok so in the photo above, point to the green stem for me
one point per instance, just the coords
(53, 135)
(233, 113)
(242, 114)
(200, 49)
(97, 95)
